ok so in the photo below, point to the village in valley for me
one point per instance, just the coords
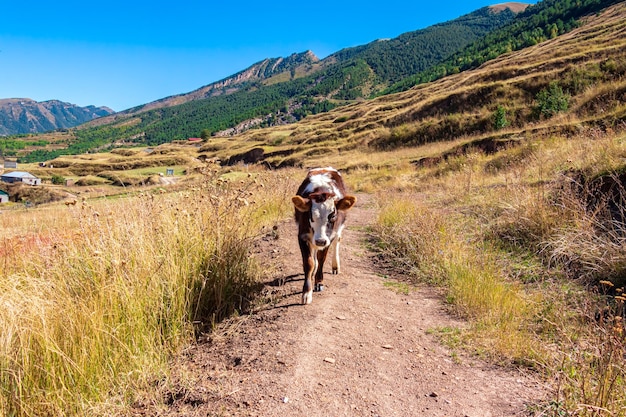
(29, 184)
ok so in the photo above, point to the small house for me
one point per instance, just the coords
(4, 197)
(20, 176)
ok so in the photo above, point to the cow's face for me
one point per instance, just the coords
(323, 214)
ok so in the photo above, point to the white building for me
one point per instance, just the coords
(20, 176)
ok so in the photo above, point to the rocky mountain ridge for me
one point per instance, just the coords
(261, 71)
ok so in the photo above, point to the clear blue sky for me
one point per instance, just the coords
(122, 54)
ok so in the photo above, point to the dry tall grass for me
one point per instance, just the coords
(529, 245)
(93, 309)
(430, 245)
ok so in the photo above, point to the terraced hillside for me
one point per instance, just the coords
(587, 64)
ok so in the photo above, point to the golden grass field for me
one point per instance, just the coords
(527, 242)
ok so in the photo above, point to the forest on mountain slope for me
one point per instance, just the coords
(395, 59)
(538, 23)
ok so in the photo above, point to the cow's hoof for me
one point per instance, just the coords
(307, 297)
(319, 287)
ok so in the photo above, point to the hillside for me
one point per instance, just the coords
(23, 115)
(586, 64)
(538, 23)
(282, 91)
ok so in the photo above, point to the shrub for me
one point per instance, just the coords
(499, 118)
(58, 179)
(551, 100)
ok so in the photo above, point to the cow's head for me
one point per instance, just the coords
(323, 211)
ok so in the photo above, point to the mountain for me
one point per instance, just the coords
(284, 90)
(279, 91)
(585, 69)
(23, 115)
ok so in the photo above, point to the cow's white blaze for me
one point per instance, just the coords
(323, 182)
(322, 228)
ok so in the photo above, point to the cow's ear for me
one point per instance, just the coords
(346, 203)
(302, 204)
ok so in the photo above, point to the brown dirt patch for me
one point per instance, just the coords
(360, 349)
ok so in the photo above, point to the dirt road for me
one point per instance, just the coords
(360, 349)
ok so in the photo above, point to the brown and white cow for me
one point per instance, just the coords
(321, 204)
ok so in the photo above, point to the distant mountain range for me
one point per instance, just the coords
(23, 115)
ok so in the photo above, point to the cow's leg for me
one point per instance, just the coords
(319, 274)
(337, 244)
(309, 263)
(336, 263)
